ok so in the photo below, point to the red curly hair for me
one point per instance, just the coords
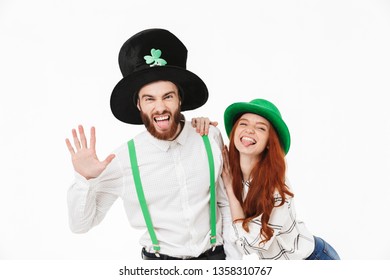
(268, 177)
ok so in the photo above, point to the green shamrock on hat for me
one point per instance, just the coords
(155, 58)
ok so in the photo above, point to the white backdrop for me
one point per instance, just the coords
(325, 64)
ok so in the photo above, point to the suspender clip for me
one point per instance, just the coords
(156, 248)
(213, 242)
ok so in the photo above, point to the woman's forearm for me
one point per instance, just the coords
(235, 207)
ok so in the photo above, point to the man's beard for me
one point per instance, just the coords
(168, 135)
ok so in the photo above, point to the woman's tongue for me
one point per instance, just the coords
(246, 142)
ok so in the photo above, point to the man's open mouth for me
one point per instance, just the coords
(162, 121)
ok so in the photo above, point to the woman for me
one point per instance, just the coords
(261, 200)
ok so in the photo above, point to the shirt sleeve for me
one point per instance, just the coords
(231, 250)
(89, 200)
(249, 242)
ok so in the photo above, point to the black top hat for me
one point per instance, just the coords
(148, 56)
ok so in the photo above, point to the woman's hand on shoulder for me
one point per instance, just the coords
(202, 124)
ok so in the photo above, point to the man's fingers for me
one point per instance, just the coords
(76, 140)
(70, 148)
(93, 138)
(83, 139)
(80, 141)
(109, 159)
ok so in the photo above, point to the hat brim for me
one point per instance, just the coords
(123, 98)
(236, 110)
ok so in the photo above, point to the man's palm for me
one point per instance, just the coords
(84, 159)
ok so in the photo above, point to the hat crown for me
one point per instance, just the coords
(265, 104)
(149, 56)
(157, 44)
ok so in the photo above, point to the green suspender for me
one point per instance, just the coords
(213, 206)
(141, 196)
(144, 206)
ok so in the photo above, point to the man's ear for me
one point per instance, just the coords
(138, 106)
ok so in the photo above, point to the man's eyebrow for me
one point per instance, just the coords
(146, 95)
(152, 96)
(169, 92)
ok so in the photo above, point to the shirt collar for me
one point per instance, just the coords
(164, 145)
(182, 137)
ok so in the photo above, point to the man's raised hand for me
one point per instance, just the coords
(84, 158)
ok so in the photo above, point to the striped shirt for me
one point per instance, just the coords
(291, 239)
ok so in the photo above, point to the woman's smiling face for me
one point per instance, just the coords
(251, 135)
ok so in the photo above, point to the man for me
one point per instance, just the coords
(163, 175)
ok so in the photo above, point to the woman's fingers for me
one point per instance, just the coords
(202, 125)
(225, 154)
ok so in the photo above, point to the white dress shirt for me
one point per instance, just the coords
(175, 180)
(291, 239)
